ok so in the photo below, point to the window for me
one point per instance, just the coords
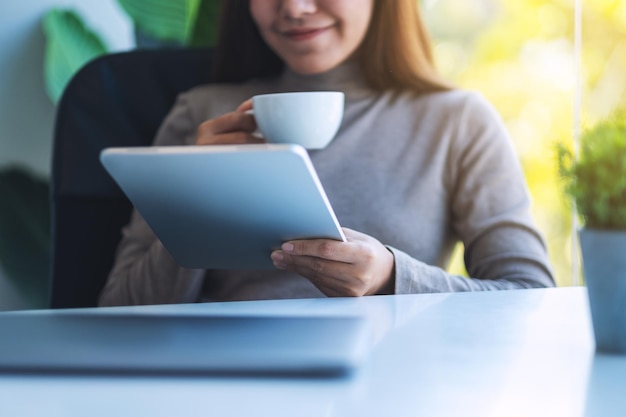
(521, 55)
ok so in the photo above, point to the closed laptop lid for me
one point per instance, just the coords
(132, 343)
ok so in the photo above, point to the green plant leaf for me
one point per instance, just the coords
(25, 233)
(597, 179)
(205, 28)
(70, 44)
(167, 20)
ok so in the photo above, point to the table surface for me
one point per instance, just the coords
(507, 353)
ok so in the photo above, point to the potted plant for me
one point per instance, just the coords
(596, 181)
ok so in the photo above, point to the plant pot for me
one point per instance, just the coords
(604, 265)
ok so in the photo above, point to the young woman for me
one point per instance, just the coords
(416, 167)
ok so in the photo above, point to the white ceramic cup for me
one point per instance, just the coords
(310, 119)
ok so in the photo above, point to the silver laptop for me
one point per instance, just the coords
(130, 343)
(225, 207)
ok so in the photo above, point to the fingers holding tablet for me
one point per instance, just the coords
(360, 266)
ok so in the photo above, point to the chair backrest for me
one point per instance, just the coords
(115, 100)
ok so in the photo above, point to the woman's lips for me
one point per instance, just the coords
(304, 34)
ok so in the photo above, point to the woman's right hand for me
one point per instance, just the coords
(230, 129)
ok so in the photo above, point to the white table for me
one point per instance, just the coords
(510, 353)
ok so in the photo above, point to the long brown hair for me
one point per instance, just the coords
(396, 53)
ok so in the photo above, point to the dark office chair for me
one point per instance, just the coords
(116, 100)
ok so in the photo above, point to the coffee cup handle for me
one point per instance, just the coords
(257, 133)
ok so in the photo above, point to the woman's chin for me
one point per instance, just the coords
(312, 67)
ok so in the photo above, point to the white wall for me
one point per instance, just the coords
(26, 113)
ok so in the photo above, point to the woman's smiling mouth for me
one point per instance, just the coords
(304, 34)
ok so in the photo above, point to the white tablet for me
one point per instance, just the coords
(225, 207)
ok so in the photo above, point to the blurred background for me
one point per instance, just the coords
(519, 53)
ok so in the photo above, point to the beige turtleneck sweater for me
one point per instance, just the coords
(418, 173)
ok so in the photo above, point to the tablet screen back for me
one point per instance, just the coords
(224, 207)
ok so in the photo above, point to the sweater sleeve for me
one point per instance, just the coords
(489, 210)
(144, 272)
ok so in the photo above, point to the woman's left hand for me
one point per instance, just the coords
(360, 266)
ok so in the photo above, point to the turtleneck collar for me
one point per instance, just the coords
(347, 78)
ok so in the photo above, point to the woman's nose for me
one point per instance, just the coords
(296, 9)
